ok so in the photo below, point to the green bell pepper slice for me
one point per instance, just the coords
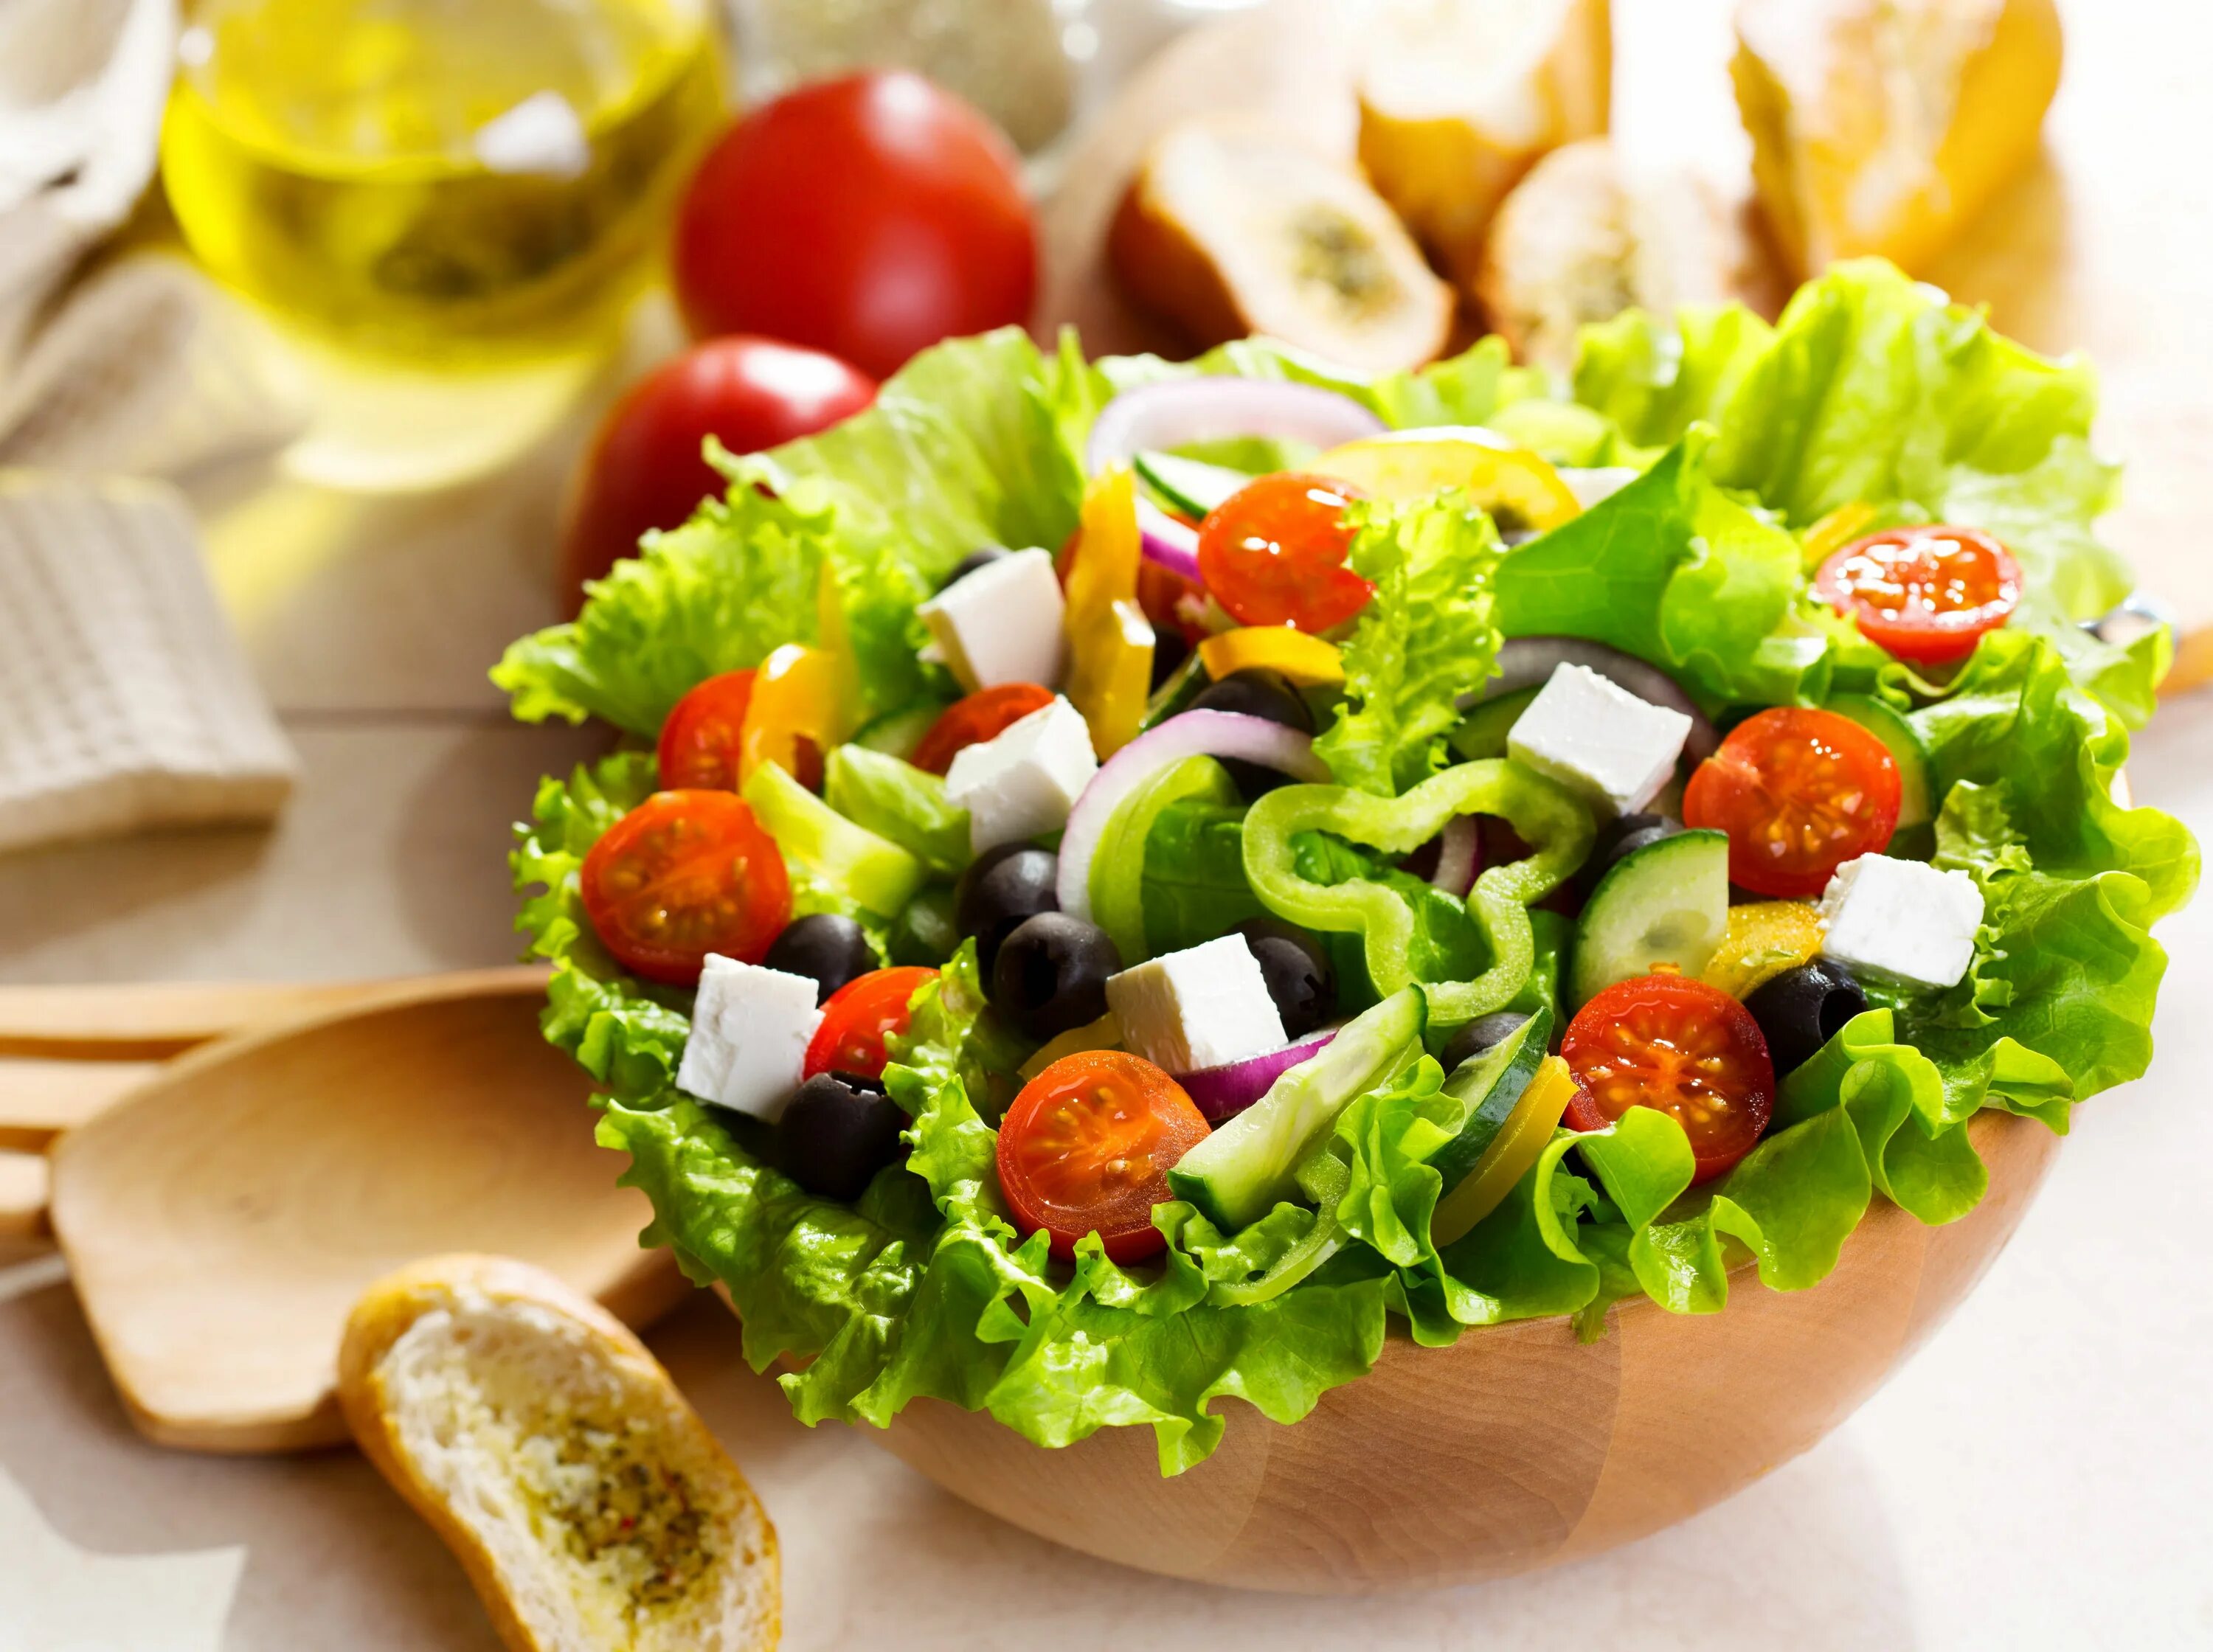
(1546, 814)
(1118, 870)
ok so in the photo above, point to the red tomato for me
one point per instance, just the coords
(1799, 792)
(645, 470)
(859, 1016)
(1679, 1046)
(698, 747)
(1272, 553)
(987, 712)
(683, 874)
(869, 217)
(1171, 602)
(1925, 594)
(1087, 1148)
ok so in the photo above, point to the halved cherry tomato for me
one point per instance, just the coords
(983, 714)
(683, 874)
(1087, 1148)
(859, 1016)
(1799, 792)
(699, 740)
(1679, 1046)
(1273, 554)
(1925, 594)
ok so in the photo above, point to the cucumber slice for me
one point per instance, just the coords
(1915, 806)
(1666, 903)
(1236, 1175)
(873, 871)
(1489, 1085)
(1191, 486)
(1482, 732)
(896, 734)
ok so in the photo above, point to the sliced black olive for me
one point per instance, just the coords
(1051, 974)
(1478, 1035)
(1297, 971)
(1003, 887)
(833, 1137)
(969, 564)
(832, 950)
(1170, 651)
(1257, 694)
(1802, 1009)
(1617, 840)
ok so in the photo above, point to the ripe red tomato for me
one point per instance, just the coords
(1273, 552)
(869, 217)
(1679, 1046)
(986, 713)
(683, 874)
(859, 1016)
(1925, 594)
(1799, 792)
(1087, 1148)
(698, 748)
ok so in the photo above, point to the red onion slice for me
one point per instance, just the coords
(1226, 1091)
(1458, 857)
(1529, 662)
(1163, 539)
(1189, 733)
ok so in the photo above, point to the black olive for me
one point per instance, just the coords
(1297, 971)
(1478, 1035)
(1617, 840)
(1257, 694)
(833, 1137)
(1051, 974)
(1003, 887)
(832, 950)
(1802, 1009)
(1170, 651)
(969, 564)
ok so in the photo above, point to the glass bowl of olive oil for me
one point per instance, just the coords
(445, 206)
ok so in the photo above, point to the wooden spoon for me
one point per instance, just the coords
(221, 1221)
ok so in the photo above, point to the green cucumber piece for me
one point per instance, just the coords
(896, 734)
(1489, 1085)
(1236, 1175)
(1190, 486)
(1915, 806)
(1666, 903)
(1482, 732)
(872, 871)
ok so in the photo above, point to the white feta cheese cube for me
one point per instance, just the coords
(1599, 740)
(1023, 780)
(1204, 1006)
(750, 1028)
(1001, 624)
(1902, 920)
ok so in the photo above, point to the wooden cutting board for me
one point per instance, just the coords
(2102, 246)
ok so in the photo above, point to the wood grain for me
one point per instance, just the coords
(40, 1099)
(1517, 1447)
(220, 1223)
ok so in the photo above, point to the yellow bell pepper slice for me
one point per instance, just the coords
(1519, 489)
(1105, 1034)
(1516, 1147)
(1309, 661)
(799, 695)
(1763, 938)
(1110, 640)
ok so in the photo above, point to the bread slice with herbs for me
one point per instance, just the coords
(583, 1495)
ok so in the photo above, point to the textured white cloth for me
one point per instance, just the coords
(124, 699)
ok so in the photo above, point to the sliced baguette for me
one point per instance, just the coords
(584, 1497)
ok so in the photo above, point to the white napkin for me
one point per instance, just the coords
(124, 699)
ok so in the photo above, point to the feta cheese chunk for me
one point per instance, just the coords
(1902, 920)
(750, 1026)
(1599, 740)
(1001, 624)
(1204, 1006)
(1023, 780)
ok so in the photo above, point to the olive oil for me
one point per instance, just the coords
(443, 184)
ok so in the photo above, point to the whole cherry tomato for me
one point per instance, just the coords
(859, 1016)
(1925, 594)
(1273, 554)
(683, 874)
(699, 738)
(983, 714)
(645, 468)
(1087, 1148)
(1799, 792)
(1679, 1046)
(869, 217)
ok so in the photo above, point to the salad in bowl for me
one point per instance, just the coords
(1127, 884)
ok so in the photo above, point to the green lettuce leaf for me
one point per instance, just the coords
(895, 799)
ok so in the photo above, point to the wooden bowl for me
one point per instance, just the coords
(1519, 1447)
